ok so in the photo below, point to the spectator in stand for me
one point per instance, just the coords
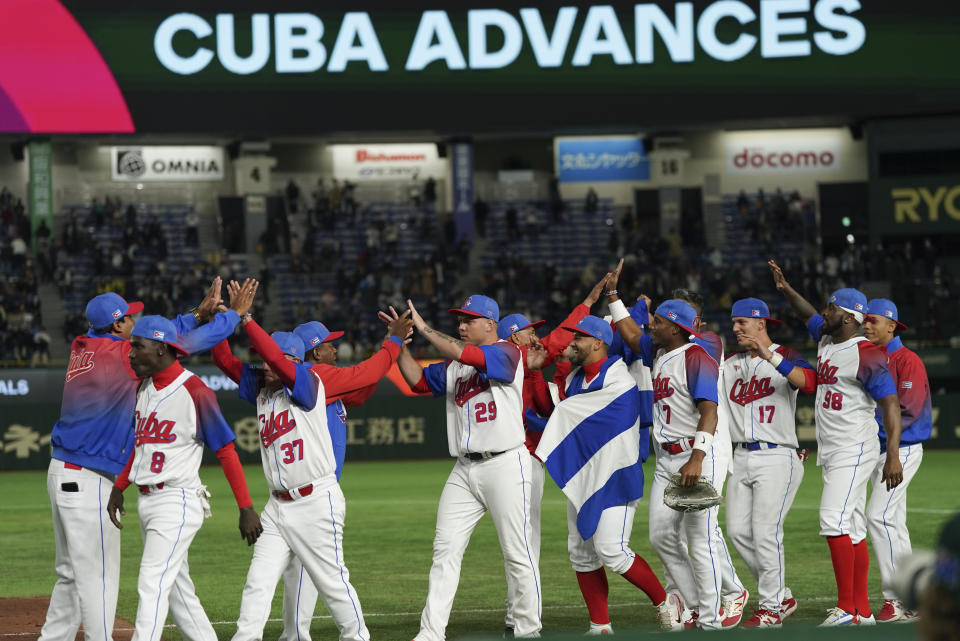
(430, 195)
(192, 221)
(481, 210)
(592, 201)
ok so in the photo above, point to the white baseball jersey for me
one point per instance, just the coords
(484, 408)
(172, 425)
(760, 403)
(295, 443)
(681, 377)
(851, 377)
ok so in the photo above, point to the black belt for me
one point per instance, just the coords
(753, 446)
(480, 456)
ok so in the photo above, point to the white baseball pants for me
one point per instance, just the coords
(609, 546)
(845, 474)
(502, 485)
(700, 566)
(680, 580)
(309, 529)
(887, 516)
(169, 519)
(537, 478)
(87, 558)
(761, 491)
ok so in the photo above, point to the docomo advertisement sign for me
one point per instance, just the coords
(388, 162)
(154, 163)
(773, 152)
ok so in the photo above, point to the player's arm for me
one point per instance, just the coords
(226, 362)
(628, 328)
(557, 340)
(449, 347)
(702, 376)
(874, 374)
(302, 385)
(115, 502)
(213, 430)
(356, 397)
(338, 381)
(221, 324)
(800, 306)
(789, 364)
(892, 467)
(537, 355)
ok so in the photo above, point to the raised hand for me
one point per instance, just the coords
(613, 278)
(241, 296)
(401, 327)
(594, 294)
(779, 281)
(418, 321)
(212, 301)
(536, 356)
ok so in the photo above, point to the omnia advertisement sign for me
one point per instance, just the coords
(248, 67)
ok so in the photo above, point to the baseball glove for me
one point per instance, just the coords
(690, 499)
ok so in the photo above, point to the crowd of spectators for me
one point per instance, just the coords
(23, 337)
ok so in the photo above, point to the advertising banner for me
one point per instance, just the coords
(784, 151)
(601, 160)
(260, 68)
(154, 163)
(915, 205)
(41, 184)
(387, 162)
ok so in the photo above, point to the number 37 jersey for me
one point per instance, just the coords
(295, 443)
(851, 377)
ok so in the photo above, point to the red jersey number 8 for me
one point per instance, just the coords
(485, 412)
(156, 462)
(833, 400)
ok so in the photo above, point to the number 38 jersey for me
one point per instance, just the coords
(681, 378)
(295, 443)
(760, 402)
(172, 424)
(851, 377)
(484, 404)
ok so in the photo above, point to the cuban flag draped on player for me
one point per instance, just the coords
(602, 417)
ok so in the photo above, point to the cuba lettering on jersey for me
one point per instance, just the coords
(171, 426)
(851, 377)
(913, 390)
(484, 408)
(681, 377)
(761, 403)
(295, 443)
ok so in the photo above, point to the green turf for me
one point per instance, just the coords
(391, 511)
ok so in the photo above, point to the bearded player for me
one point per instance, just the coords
(853, 381)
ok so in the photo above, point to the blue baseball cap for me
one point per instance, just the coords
(886, 308)
(514, 323)
(752, 308)
(849, 299)
(106, 308)
(593, 326)
(480, 306)
(289, 343)
(312, 333)
(679, 313)
(160, 329)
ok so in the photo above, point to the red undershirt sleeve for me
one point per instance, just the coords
(123, 481)
(473, 356)
(269, 351)
(421, 387)
(230, 462)
(224, 359)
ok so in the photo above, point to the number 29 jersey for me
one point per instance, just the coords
(851, 377)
